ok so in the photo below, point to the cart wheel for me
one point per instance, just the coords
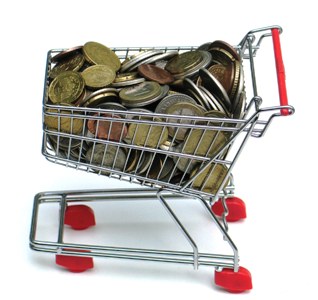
(236, 207)
(234, 282)
(74, 264)
(79, 217)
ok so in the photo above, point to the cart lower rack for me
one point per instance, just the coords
(180, 143)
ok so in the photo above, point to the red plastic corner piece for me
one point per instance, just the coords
(234, 282)
(236, 208)
(75, 264)
(79, 217)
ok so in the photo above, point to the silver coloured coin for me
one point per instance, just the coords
(214, 87)
(239, 111)
(129, 65)
(214, 102)
(239, 103)
(100, 91)
(205, 46)
(169, 100)
(163, 93)
(100, 96)
(190, 86)
(108, 156)
(111, 105)
(164, 56)
(143, 165)
(128, 82)
(208, 98)
(178, 132)
(153, 59)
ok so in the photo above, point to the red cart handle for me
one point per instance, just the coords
(280, 70)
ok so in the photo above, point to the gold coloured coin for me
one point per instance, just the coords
(215, 114)
(167, 145)
(98, 76)
(236, 81)
(121, 77)
(183, 62)
(201, 143)
(64, 143)
(99, 54)
(60, 123)
(147, 135)
(210, 179)
(132, 160)
(71, 63)
(220, 115)
(67, 87)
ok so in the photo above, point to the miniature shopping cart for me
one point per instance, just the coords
(207, 177)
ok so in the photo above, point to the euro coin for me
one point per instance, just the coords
(140, 93)
(183, 62)
(147, 134)
(98, 76)
(98, 54)
(210, 179)
(70, 63)
(215, 87)
(179, 132)
(106, 156)
(172, 99)
(67, 87)
(53, 119)
(101, 96)
(200, 143)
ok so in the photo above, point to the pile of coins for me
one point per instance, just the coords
(159, 98)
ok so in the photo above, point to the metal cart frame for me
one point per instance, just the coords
(78, 257)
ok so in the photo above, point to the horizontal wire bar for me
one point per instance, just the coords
(158, 255)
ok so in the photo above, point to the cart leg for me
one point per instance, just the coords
(235, 208)
(234, 282)
(79, 216)
(74, 264)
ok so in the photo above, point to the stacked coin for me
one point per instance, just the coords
(158, 115)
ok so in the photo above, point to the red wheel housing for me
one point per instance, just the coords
(79, 217)
(234, 282)
(236, 208)
(75, 264)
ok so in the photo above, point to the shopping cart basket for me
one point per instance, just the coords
(133, 150)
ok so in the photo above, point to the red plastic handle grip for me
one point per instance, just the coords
(280, 70)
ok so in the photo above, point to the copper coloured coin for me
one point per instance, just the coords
(66, 53)
(227, 47)
(154, 73)
(108, 129)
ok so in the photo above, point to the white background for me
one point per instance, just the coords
(275, 175)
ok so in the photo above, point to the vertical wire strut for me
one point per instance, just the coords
(63, 206)
(225, 234)
(181, 227)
